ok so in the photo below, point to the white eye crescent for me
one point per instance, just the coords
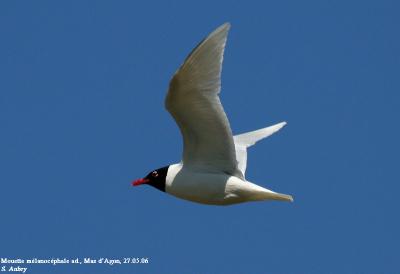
(154, 174)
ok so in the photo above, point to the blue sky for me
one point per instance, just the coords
(81, 115)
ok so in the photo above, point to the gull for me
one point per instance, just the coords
(213, 166)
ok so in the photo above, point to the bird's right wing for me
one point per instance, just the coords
(194, 103)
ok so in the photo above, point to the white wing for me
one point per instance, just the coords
(245, 140)
(194, 103)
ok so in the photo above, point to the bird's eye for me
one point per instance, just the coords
(154, 174)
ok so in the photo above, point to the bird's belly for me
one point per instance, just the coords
(205, 188)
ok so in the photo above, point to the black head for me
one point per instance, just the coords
(156, 178)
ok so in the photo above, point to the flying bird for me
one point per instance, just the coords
(212, 170)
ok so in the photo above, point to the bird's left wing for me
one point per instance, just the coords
(245, 140)
(194, 103)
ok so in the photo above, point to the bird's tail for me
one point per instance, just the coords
(281, 197)
(270, 195)
(259, 193)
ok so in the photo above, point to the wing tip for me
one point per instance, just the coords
(220, 34)
(224, 28)
(277, 126)
(226, 25)
(282, 124)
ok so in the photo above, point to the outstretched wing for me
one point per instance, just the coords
(245, 140)
(194, 103)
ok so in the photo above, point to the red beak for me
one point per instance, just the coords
(140, 182)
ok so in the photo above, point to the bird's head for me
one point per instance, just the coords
(155, 178)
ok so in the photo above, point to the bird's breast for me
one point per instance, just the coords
(203, 187)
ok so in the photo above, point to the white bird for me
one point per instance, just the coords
(213, 167)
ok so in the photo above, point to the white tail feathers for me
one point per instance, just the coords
(282, 197)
